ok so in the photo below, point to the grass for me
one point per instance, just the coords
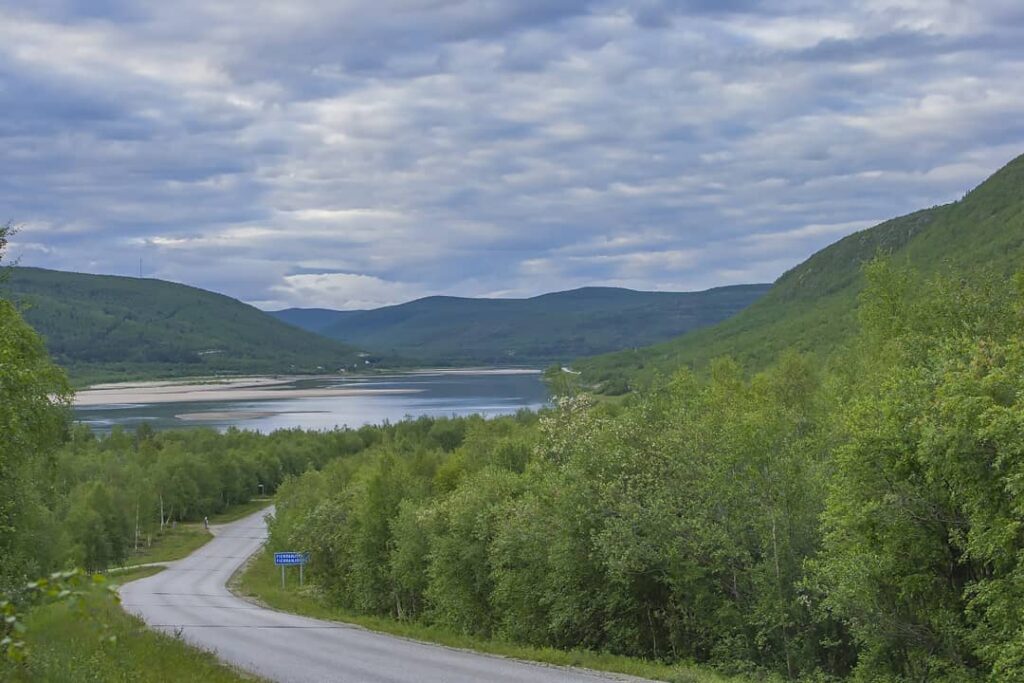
(95, 640)
(172, 544)
(237, 512)
(261, 580)
(116, 577)
(181, 541)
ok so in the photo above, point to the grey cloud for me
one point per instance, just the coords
(417, 147)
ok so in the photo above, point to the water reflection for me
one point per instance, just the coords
(431, 394)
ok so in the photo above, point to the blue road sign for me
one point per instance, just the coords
(288, 559)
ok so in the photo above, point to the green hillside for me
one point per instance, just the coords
(101, 327)
(812, 307)
(312, 319)
(542, 329)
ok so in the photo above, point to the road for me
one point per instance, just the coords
(191, 598)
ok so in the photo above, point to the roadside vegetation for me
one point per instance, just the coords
(260, 580)
(180, 540)
(92, 639)
(172, 544)
(134, 498)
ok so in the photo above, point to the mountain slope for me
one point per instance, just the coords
(312, 319)
(106, 327)
(812, 307)
(542, 329)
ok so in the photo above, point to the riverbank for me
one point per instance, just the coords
(322, 402)
(241, 389)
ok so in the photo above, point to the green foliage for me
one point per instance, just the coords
(562, 382)
(460, 530)
(177, 542)
(101, 327)
(68, 587)
(120, 499)
(94, 640)
(812, 308)
(262, 581)
(922, 554)
(34, 403)
(604, 531)
(551, 327)
(860, 517)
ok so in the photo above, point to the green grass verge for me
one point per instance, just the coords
(116, 577)
(236, 512)
(172, 544)
(95, 640)
(181, 541)
(262, 580)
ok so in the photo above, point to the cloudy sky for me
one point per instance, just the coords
(355, 153)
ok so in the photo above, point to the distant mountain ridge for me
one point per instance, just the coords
(812, 307)
(547, 328)
(311, 319)
(102, 327)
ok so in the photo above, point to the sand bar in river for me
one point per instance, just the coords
(239, 389)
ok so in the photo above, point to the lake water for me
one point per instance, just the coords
(368, 400)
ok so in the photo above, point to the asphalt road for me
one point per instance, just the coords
(191, 598)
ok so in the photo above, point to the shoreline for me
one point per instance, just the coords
(192, 394)
(256, 388)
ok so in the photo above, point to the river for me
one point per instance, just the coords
(267, 404)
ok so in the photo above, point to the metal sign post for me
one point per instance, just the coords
(291, 559)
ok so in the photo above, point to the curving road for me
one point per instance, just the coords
(191, 598)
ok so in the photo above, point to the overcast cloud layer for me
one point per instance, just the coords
(357, 153)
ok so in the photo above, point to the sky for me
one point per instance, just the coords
(356, 153)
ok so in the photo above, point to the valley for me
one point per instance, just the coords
(463, 340)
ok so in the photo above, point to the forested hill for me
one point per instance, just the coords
(812, 308)
(101, 327)
(547, 328)
(312, 319)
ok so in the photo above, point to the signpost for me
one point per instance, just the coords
(291, 559)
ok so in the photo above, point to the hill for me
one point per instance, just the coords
(312, 319)
(812, 307)
(542, 329)
(102, 327)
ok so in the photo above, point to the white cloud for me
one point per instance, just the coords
(360, 152)
(340, 291)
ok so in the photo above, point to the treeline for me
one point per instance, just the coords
(89, 502)
(115, 494)
(861, 519)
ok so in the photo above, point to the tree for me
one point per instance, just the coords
(34, 405)
(923, 557)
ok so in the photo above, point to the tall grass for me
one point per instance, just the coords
(95, 640)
